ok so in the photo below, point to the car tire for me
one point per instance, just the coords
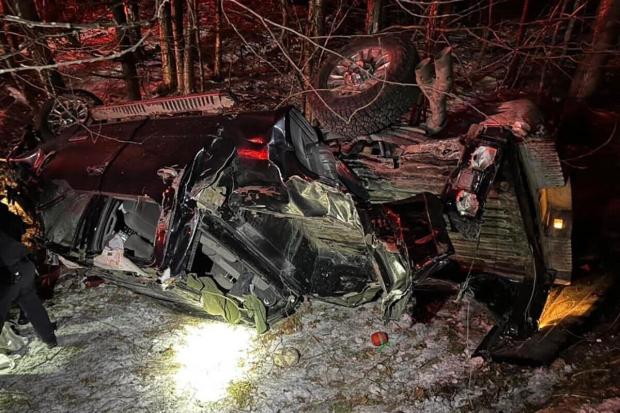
(64, 104)
(349, 112)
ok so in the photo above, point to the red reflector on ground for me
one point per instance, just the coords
(379, 338)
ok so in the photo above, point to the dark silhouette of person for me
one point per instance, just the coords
(17, 278)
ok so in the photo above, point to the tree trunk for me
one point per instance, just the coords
(319, 17)
(51, 79)
(27, 88)
(166, 41)
(128, 60)
(571, 24)
(560, 8)
(190, 52)
(217, 54)
(198, 49)
(373, 16)
(315, 28)
(135, 33)
(485, 35)
(510, 77)
(604, 39)
(177, 30)
(431, 24)
(284, 22)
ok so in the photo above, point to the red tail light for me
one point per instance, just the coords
(256, 149)
(258, 139)
(255, 154)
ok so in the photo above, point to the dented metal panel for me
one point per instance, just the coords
(81, 156)
(158, 143)
(305, 200)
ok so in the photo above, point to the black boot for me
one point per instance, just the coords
(52, 343)
(22, 320)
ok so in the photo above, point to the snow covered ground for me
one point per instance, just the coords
(124, 352)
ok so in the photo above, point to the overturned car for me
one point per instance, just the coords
(242, 214)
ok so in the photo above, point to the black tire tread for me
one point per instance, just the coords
(382, 104)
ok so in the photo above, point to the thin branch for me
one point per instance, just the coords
(111, 56)
(76, 26)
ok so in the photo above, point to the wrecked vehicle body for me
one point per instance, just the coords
(241, 215)
(255, 202)
(256, 209)
(508, 209)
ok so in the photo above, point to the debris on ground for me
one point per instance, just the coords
(118, 349)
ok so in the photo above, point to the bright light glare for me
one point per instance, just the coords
(558, 223)
(211, 357)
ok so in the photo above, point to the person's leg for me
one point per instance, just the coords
(32, 306)
(8, 294)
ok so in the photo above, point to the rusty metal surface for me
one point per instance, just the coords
(424, 167)
(503, 247)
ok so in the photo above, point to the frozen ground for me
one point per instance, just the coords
(124, 352)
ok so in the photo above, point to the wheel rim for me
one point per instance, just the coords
(360, 71)
(66, 112)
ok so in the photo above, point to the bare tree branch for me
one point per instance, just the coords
(111, 56)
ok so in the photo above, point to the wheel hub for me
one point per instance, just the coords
(66, 112)
(360, 71)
